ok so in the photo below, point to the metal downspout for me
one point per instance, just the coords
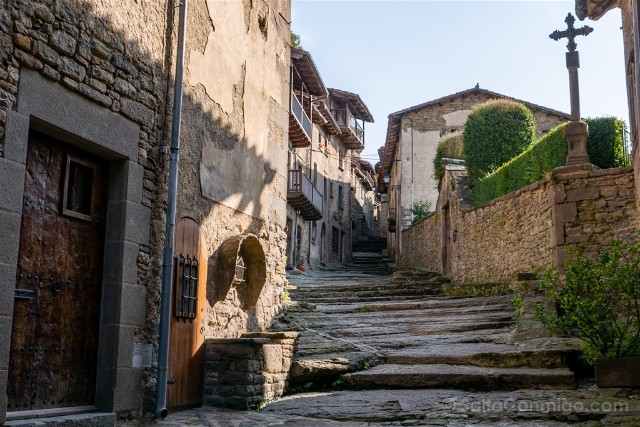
(167, 265)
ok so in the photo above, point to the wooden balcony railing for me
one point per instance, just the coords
(302, 195)
(300, 127)
(355, 132)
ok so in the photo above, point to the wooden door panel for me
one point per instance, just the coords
(186, 351)
(54, 338)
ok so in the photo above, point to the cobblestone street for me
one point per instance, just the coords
(400, 350)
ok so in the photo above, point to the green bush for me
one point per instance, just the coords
(598, 302)
(421, 209)
(604, 146)
(495, 132)
(524, 169)
(449, 147)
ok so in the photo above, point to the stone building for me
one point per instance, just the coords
(86, 101)
(326, 133)
(410, 147)
(630, 11)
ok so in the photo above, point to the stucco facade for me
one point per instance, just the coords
(97, 75)
(410, 147)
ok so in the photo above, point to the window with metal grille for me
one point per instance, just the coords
(335, 239)
(186, 300)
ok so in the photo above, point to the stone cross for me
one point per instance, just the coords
(576, 131)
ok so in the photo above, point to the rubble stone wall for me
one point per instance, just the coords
(529, 229)
(245, 372)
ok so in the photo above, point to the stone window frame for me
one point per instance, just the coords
(51, 108)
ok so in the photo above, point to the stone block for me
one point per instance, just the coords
(72, 69)
(127, 392)
(47, 54)
(565, 212)
(11, 182)
(213, 400)
(95, 95)
(10, 237)
(63, 42)
(137, 112)
(272, 357)
(5, 344)
(7, 275)
(70, 111)
(587, 193)
(27, 60)
(4, 375)
(134, 310)
(121, 265)
(236, 378)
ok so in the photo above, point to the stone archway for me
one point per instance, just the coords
(242, 263)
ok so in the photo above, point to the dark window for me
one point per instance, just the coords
(315, 175)
(340, 201)
(77, 200)
(335, 239)
(186, 287)
(331, 190)
(314, 231)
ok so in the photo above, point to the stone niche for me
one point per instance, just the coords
(245, 372)
(242, 264)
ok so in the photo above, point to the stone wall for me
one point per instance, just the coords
(246, 372)
(421, 244)
(526, 230)
(117, 59)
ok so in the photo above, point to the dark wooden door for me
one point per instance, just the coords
(186, 346)
(54, 340)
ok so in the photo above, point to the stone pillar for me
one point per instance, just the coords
(576, 133)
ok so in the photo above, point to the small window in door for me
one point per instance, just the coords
(78, 191)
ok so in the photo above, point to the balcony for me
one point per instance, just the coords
(352, 130)
(302, 195)
(300, 127)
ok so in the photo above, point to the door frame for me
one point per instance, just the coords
(50, 108)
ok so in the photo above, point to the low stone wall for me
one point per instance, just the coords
(421, 244)
(529, 229)
(245, 372)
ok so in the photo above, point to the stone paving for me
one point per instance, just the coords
(372, 355)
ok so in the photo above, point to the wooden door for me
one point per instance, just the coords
(186, 351)
(54, 339)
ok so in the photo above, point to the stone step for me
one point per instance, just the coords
(363, 300)
(482, 354)
(40, 418)
(459, 377)
(348, 289)
(397, 292)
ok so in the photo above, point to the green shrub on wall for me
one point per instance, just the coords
(449, 147)
(495, 131)
(605, 142)
(604, 146)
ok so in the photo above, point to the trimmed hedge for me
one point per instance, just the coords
(604, 146)
(495, 132)
(449, 147)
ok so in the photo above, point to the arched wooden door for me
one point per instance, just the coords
(188, 313)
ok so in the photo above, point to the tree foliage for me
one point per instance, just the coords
(421, 209)
(295, 41)
(495, 132)
(449, 147)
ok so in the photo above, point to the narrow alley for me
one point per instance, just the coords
(409, 348)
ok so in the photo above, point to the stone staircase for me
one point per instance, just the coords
(400, 331)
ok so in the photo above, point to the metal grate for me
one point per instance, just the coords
(186, 287)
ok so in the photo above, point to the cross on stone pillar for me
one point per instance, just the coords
(576, 131)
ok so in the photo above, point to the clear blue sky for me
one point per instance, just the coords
(396, 54)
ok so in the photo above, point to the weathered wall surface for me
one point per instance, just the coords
(118, 58)
(421, 244)
(421, 131)
(530, 229)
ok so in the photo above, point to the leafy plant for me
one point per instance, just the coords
(364, 309)
(598, 301)
(337, 384)
(365, 365)
(421, 209)
(450, 147)
(295, 41)
(604, 146)
(495, 132)
(391, 220)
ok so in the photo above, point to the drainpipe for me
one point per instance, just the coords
(167, 265)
